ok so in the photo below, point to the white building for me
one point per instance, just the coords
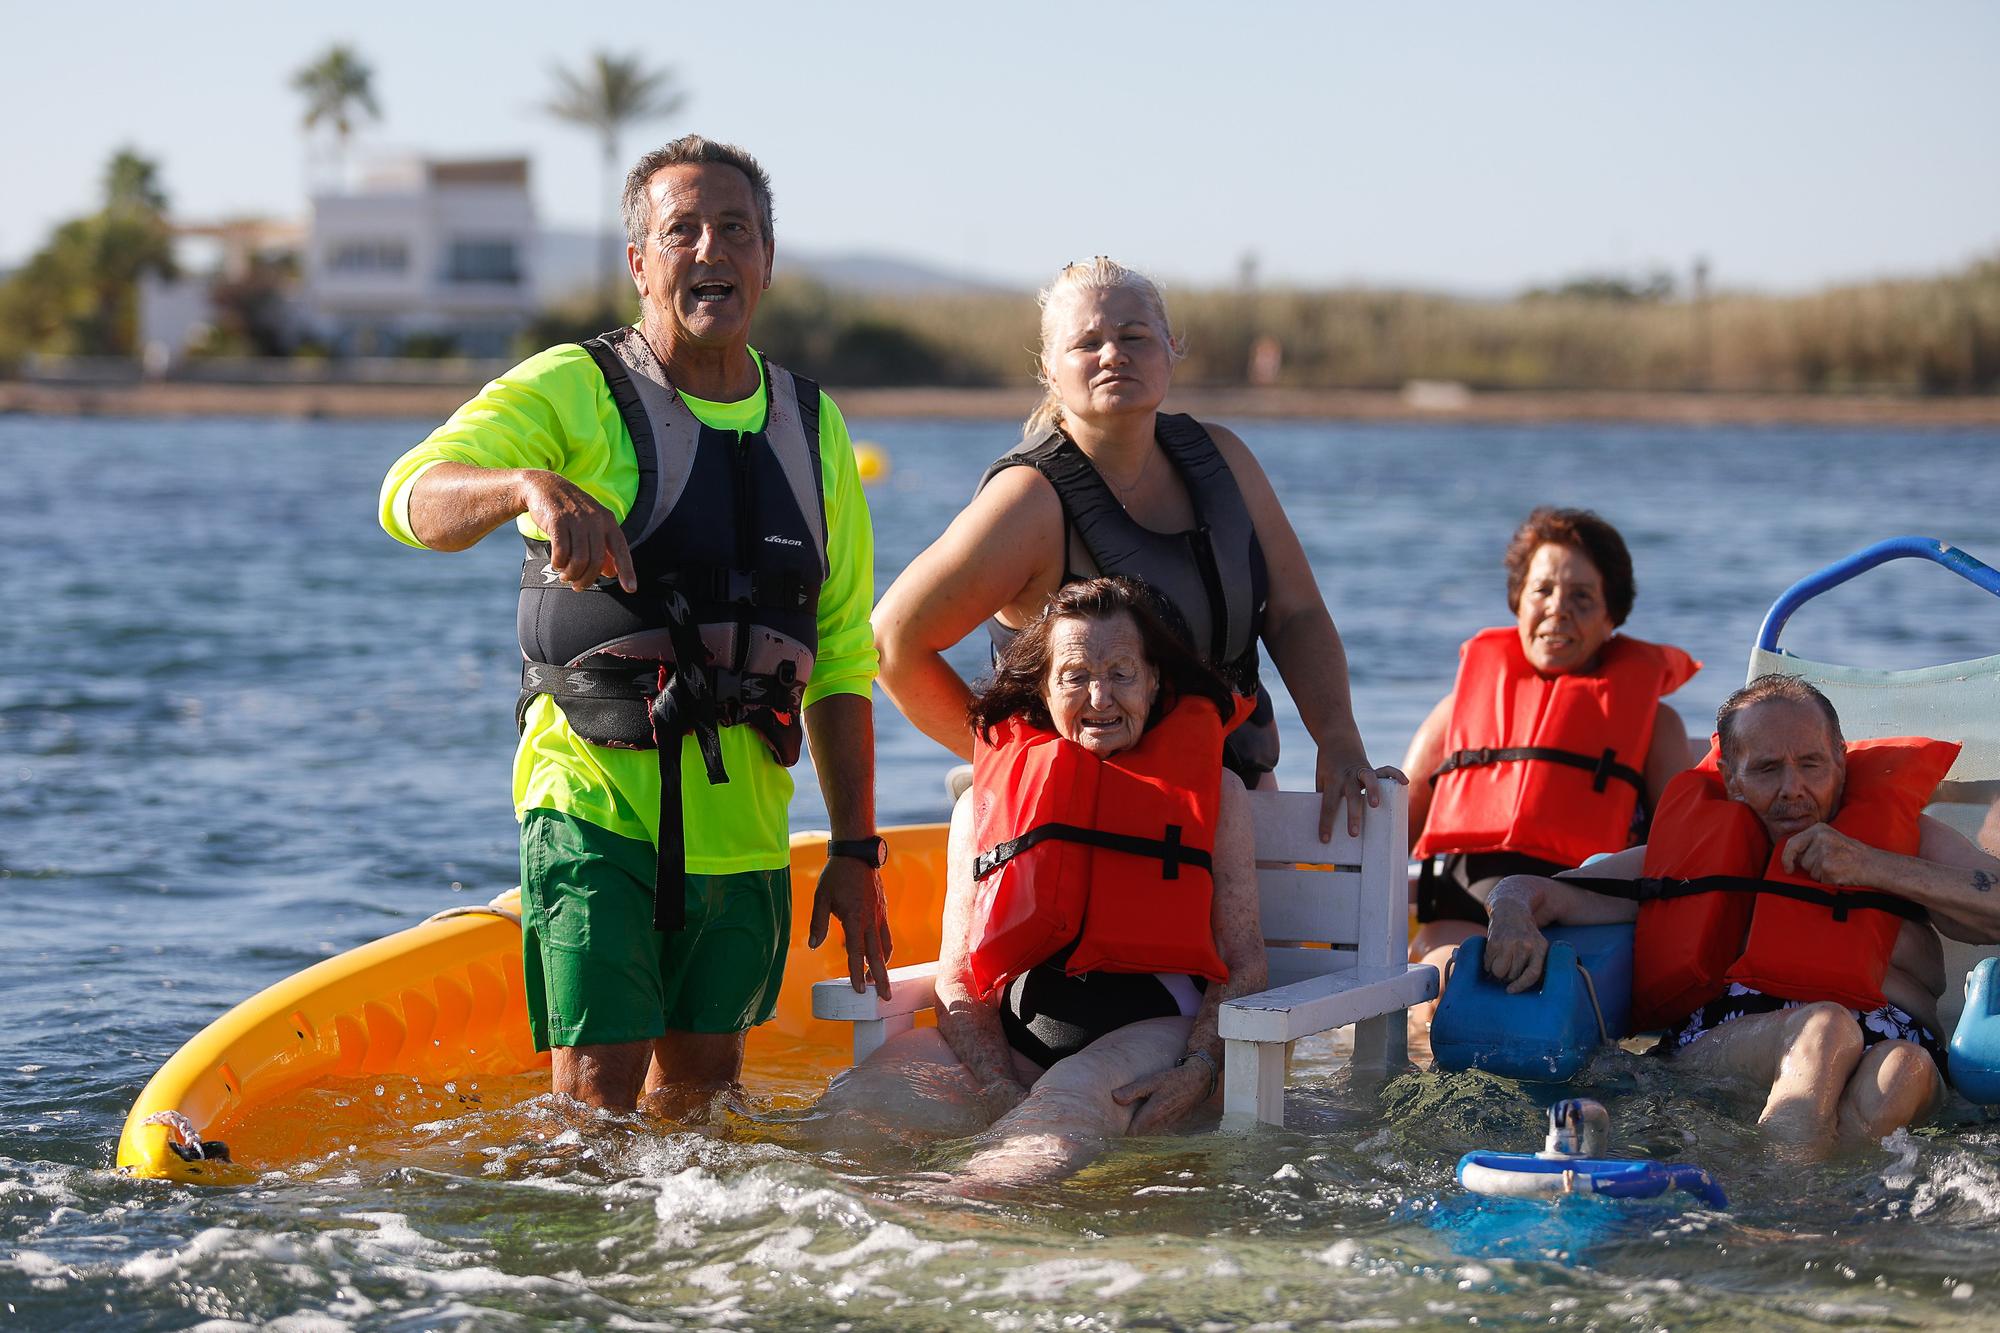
(436, 252)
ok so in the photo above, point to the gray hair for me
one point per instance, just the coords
(1098, 274)
(1774, 685)
(686, 150)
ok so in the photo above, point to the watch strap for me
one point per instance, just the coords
(873, 851)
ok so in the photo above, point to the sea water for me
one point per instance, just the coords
(242, 730)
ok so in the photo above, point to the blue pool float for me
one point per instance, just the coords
(1975, 1045)
(1547, 1033)
(1578, 1129)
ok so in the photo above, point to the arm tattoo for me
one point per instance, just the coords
(1983, 882)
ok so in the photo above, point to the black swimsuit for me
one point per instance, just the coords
(1454, 887)
(1047, 1014)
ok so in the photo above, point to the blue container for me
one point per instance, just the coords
(1975, 1046)
(1548, 1033)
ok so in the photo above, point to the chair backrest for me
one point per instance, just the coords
(1351, 894)
(1956, 702)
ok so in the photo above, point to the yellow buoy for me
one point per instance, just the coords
(871, 461)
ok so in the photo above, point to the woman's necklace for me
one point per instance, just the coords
(1125, 490)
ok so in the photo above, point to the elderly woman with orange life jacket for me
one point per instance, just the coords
(1553, 737)
(1101, 900)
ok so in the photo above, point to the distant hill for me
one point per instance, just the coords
(883, 274)
(568, 262)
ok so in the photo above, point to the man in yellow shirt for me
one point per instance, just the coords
(698, 581)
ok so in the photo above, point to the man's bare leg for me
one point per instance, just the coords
(678, 1074)
(688, 1070)
(1805, 1055)
(1895, 1084)
(607, 1076)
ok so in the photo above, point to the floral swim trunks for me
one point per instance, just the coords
(1887, 1023)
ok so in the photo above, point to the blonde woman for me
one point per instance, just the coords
(1104, 483)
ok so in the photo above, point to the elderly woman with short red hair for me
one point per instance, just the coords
(1553, 744)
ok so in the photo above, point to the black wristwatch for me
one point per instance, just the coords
(872, 850)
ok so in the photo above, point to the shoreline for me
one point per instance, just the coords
(1418, 403)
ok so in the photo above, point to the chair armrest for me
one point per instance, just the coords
(1323, 1003)
(910, 989)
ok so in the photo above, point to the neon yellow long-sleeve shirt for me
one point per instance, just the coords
(554, 412)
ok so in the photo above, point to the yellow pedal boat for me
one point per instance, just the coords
(443, 1002)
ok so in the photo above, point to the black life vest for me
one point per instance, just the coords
(728, 539)
(1212, 575)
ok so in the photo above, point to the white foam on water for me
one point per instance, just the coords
(806, 1227)
(33, 1263)
(729, 1310)
(717, 1279)
(154, 1265)
(389, 1246)
(1342, 1254)
(44, 1272)
(857, 1270)
(42, 1182)
(554, 1185)
(389, 1233)
(296, 1322)
(1958, 1180)
(218, 1246)
(689, 1199)
(1474, 1275)
(1908, 1148)
(477, 1280)
(1834, 1312)
(1052, 1279)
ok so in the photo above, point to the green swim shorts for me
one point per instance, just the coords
(597, 971)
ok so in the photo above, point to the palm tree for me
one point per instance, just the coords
(132, 184)
(336, 86)
(611, 93)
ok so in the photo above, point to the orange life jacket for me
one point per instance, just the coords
(1547, 766)
(1820, 943)
(1111, 853)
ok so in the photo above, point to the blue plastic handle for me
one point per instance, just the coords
(1610, 1178)
(1896, 548)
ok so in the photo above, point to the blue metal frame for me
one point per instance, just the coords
(1896, 548)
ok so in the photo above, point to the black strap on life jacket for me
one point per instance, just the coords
(1602, 767)
(1840, 904)
(1168, 849)
(737, 694)
(683, 702)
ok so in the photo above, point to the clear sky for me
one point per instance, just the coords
(1478, 147)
